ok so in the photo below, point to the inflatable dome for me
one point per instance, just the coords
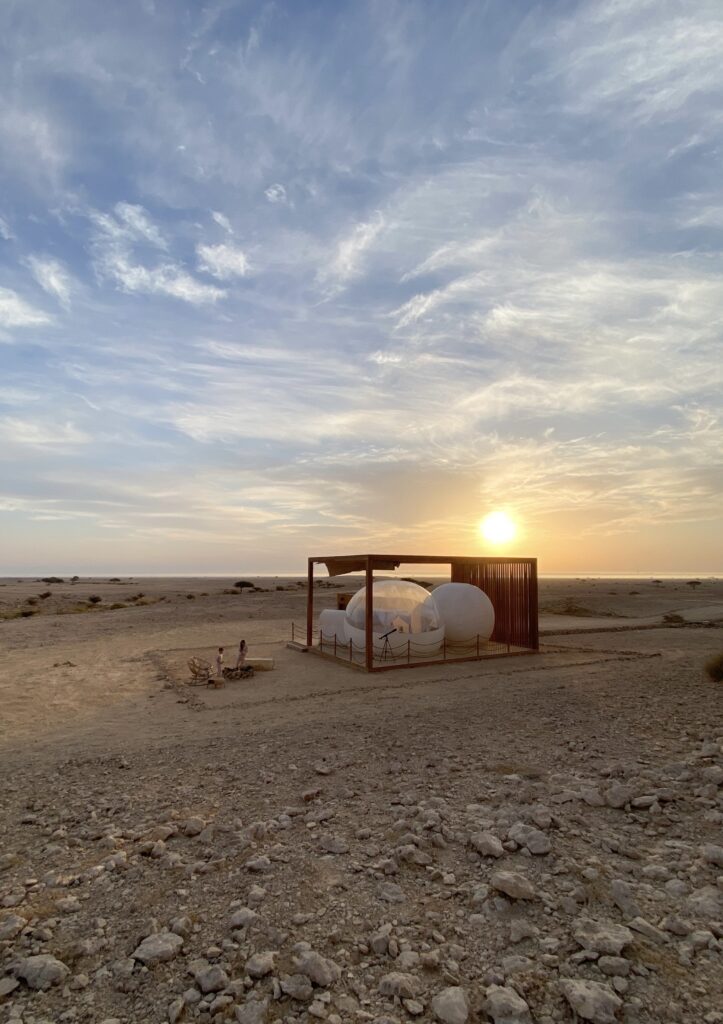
(406, 609)
(465, 611)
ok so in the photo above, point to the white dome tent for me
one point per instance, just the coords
(489, 609)
(403, 614)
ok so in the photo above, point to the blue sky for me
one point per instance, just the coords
(291, 278)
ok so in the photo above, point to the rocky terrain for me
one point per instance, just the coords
(514, 843)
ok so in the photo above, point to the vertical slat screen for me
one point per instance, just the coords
(512, 588)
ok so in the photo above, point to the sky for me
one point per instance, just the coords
(296, 278)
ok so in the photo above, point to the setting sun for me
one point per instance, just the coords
(497, 528)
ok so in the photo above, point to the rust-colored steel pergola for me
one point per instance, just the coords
(510, 584)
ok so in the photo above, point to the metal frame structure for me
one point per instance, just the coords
(510, 584)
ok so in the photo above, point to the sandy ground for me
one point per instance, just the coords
(325, 777)
(77, 677)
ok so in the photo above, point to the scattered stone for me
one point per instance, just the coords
(390, 892)
(42, 972)
(242, 918)
(712, 854)
(506, 1006)
(618, 795)
(531, 838)
(253, 1011)
(8, 986)
(487, 844)
(614, 966)
(259, 865)
(261, 964)
(591, 1000)
(333, 844)
(297, 986)
(317, 968)
(211, 978)
(451, 1005)
(602, 938)
(405, 986)
(11, 926)
(622, 895)
(513, 884)
(158, 948)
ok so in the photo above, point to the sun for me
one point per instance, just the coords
(497, 528)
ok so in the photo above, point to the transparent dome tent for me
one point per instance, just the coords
(404, 613)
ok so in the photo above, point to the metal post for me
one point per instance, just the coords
(369, 615)
(310, 604)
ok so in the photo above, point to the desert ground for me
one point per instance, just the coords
(528, 839)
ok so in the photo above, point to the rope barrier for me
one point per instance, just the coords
(451, 648)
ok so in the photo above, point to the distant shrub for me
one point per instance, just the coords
(279, 587)
(114, 579)
(73, 579)
(693, 583)
(31, 600)
(45, 594)
(243, 584)
(94, 599)
(27, 612)
(118, 604)
(204, 593)
(190, 597)
(714, 668)
(53, 579)
(673, 619)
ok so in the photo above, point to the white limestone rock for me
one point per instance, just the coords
(487, 844)
(158, 948)
(317, 968)
(41, 972)
(513, 884)
(601, 937)
(531, 838)
(506, 1006)
(591, 1000)
(451, 1006)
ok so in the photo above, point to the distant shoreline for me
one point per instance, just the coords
(419, 570)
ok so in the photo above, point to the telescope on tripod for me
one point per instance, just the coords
(386, 646)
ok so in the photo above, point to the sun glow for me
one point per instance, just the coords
(497, 528)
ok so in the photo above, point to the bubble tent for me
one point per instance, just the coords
(401, 611)
(509, 586)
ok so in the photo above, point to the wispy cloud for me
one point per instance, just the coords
(52, 277)
(222, 221)
(350, 249)
(222, 261)
(16, 312)
(114, 246)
